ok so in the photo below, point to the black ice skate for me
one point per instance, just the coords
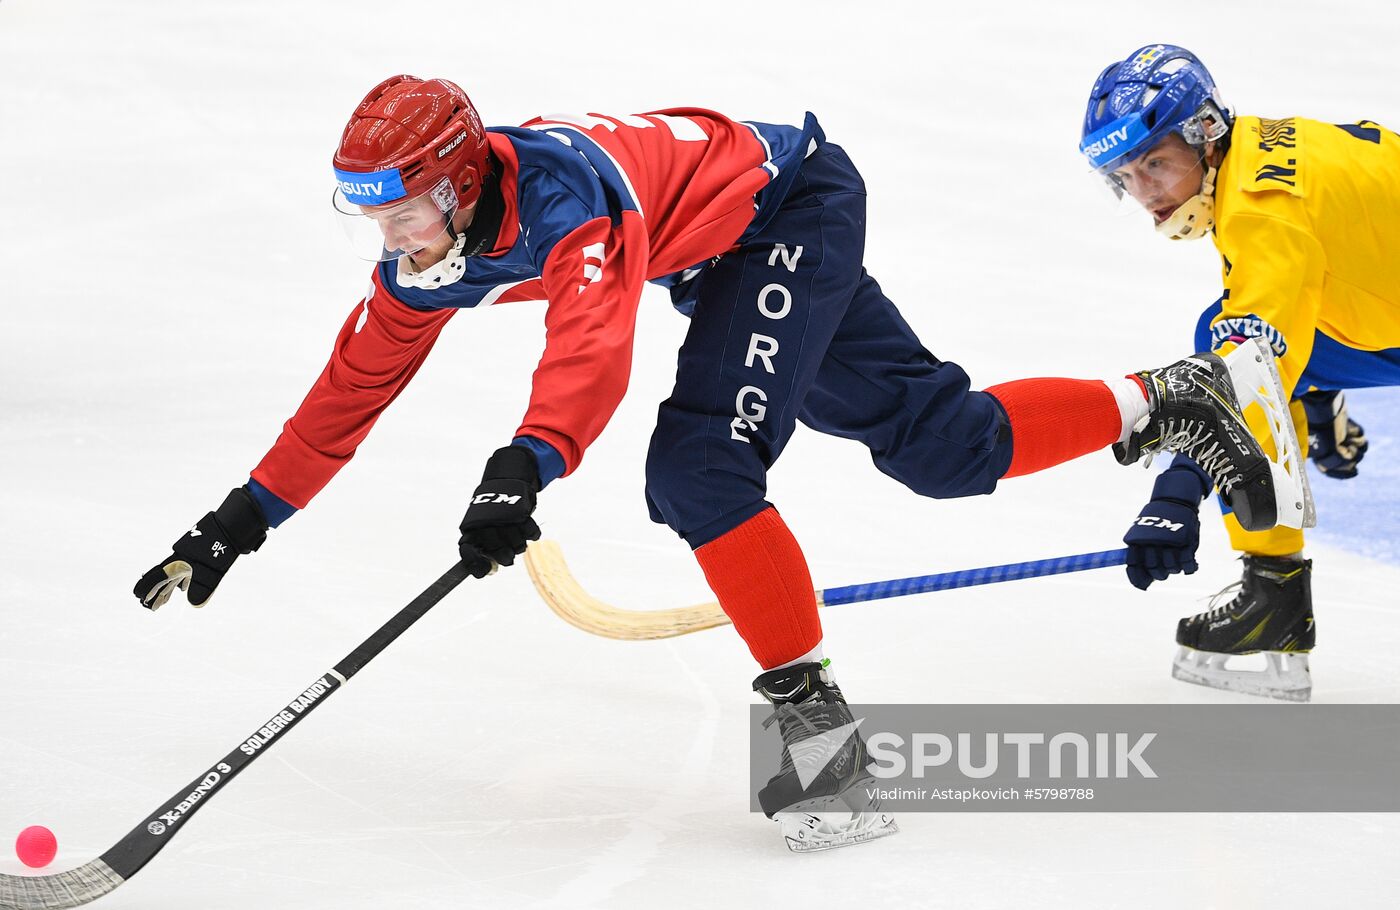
(820, 795)
(1196, 408)
(1271, 613)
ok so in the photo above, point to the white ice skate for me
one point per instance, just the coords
(1285, 676)
(853, 816)
(809, 832)
(1196, 408)
(1254, 373)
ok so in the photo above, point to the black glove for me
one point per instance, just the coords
(1163, 539)
(498, 522)
(206, 552)
(1336, 443)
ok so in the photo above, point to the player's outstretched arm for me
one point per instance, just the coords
(199, 560)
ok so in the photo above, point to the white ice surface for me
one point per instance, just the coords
(172, 281)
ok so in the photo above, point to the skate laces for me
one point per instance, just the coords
(793, 709)
(792, 717)
(1193, 439)
(1232, 591)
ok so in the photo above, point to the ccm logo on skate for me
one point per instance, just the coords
(774, 302)
(1238, 440)
(1150, 522)
(495, 498)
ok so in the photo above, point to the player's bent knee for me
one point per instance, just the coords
(967, 458)
(696, 508)
(695, 486)
(949, 478)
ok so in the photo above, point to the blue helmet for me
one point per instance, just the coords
(1136, 103)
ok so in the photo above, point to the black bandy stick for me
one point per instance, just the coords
(102, 875)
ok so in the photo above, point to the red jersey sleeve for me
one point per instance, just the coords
(593, 279)
(379, 349)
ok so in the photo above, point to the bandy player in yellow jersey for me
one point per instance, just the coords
(1306, 216)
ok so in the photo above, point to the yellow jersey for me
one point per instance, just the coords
(1307, 222)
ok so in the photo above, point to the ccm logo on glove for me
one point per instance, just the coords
(1150, 521)
(498, 524)
(484, 498)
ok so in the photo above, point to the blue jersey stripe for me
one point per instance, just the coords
(599, 159)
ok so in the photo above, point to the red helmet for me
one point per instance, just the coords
(416, 132)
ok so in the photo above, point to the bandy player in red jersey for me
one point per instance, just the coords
(758, 230)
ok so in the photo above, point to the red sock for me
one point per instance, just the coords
(760, 576)
(1056, 420)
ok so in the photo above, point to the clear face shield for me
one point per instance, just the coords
(1158, 182)
(380, 231)
(1170, 173)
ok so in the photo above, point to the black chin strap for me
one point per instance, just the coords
(490, 212)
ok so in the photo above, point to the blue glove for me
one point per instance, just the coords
(1163, 539)
(1336, 443)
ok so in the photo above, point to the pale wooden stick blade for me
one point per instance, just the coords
(545, 563)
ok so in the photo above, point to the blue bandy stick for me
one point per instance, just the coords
(567, 598)
(966, 578)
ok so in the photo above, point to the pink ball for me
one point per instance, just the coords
(36, 846)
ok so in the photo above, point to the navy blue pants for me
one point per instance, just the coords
(790, 327)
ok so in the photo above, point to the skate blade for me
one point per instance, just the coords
(812, 832)
(840, 820)
(1254, 373)
(1286, 676)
